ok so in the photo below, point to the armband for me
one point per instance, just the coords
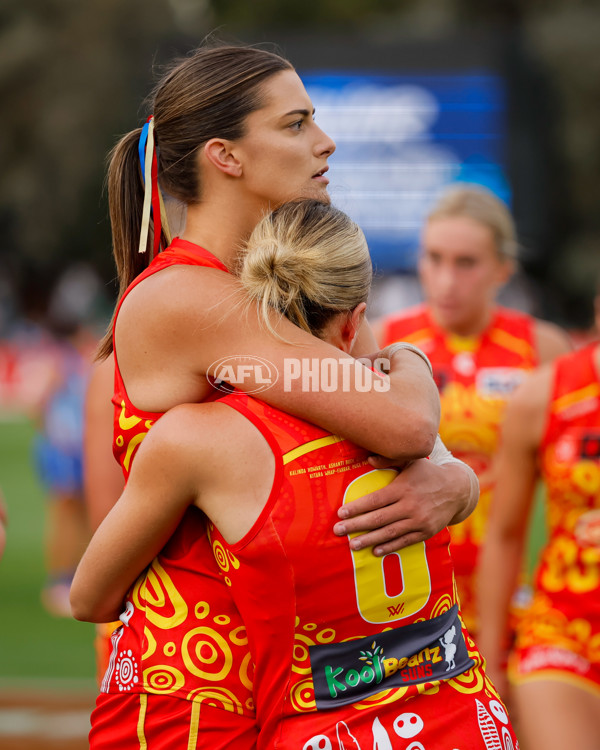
(390, 350)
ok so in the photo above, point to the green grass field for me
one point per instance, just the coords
(33, 645)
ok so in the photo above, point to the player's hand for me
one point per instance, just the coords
(421, 501)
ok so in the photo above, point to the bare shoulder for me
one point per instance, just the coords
(193, 427)
(174, 306)
(551, 341)
(201, 436)
(168, 330)
(179, 292)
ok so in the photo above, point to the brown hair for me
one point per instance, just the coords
(309, 261)
(480, 204)
(206, 95)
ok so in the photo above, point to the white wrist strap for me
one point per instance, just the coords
(440, 455)
(390, 350)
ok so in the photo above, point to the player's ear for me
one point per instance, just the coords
(220, 154)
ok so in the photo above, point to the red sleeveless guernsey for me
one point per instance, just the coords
(182, 636)
(132, 424)
(475, 377)
(350, 651)
(559, 636)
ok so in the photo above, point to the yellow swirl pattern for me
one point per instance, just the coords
(443, 604)
(301, 657)
(157, 595)
(247, 672)
(133, 443)
(326, 636)
(239, 636)
(469, 422)
(163, 679)
(151, 643)
(125, 422)
(221, 555)
(217, 697)
(206, 654)
(471, 681)
(201, 610)
(302, 696)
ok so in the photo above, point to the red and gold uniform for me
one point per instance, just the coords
(350, 651)
(180, 673)
(559, 636)
(475, 377)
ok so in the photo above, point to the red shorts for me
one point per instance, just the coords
(143, 721)
(558, 638)
(445, 720)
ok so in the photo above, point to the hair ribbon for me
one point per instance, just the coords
(153, 202)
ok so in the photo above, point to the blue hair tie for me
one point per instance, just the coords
(142, 148)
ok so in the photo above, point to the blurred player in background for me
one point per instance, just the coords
(479, 351)
(57, 453)
(67, 330)
(552, 431)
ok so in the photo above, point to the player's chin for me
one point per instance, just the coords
(319, 193)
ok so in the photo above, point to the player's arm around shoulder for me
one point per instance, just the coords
(194, 317)
(551, 341)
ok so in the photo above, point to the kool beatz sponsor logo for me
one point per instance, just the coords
(412, 669)
(339, 680)
(421, 652)
(238, 371)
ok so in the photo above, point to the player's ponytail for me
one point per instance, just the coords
(308, 261)
(125, 200)
(208, 94)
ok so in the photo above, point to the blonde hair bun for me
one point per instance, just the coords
(307, 260)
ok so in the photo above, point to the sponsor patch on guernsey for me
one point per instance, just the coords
(499, 382)
(421, 652)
